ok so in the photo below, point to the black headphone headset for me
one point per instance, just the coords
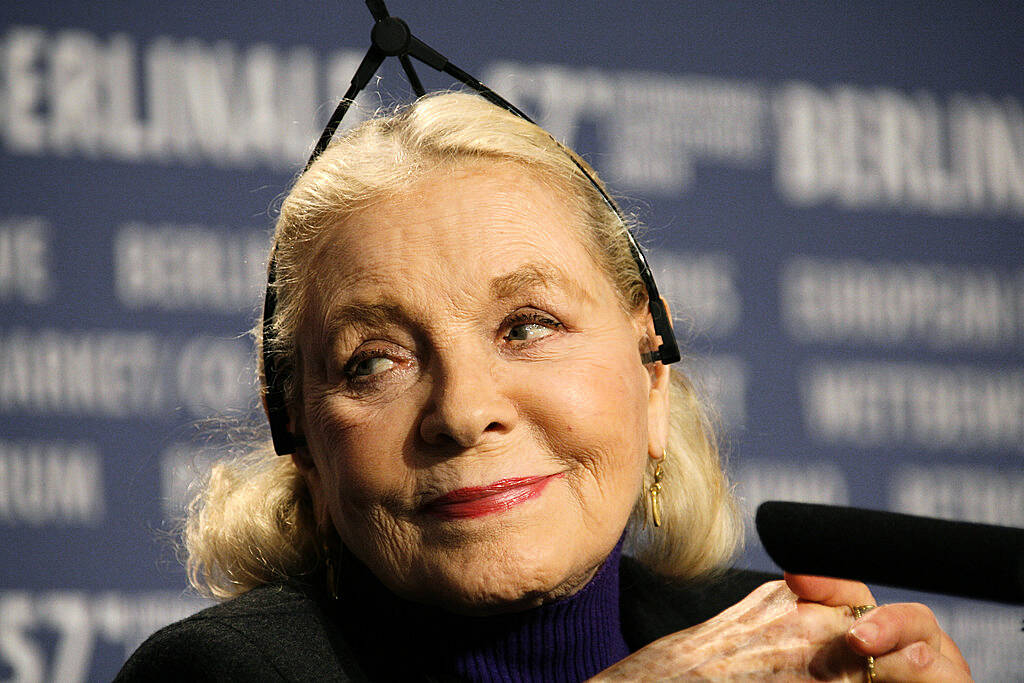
(390, 37)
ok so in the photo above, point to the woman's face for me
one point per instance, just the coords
(477, 416)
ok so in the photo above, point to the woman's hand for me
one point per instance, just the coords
(904, 638)
(801, 631)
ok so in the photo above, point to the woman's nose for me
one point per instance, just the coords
(467, 407)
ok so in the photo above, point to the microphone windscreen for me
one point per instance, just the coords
(920, 553)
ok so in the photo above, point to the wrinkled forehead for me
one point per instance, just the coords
(453, 231)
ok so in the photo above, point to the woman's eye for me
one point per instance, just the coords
(371, 366)
(529, 331)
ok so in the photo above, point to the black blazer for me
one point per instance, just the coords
(282, 632)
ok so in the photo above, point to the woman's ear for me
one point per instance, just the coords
(301, 454)
(658, 399)
(301, 457)
(311, 473)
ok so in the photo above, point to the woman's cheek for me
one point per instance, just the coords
(598, 394)
(598, 428)
(358, 457)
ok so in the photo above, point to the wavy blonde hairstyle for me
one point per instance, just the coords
(252, 521)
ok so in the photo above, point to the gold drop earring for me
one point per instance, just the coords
(332, 580)
(655, 492)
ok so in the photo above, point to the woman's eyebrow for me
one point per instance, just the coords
(536, 276)
(381, 314)
(362, 316)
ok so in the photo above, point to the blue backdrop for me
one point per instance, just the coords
(835, 197)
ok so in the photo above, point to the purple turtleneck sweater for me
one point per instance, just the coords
(568, 640)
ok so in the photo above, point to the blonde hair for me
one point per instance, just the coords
(252, 522)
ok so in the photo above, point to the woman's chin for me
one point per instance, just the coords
(537, 551)
(492, 580)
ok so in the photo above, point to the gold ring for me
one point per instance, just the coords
(861, 610)
(858, 612)
(871, 668)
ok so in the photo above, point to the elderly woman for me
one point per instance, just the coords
(490, 479)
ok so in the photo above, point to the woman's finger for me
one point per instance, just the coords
(898, 626)
(893, 627)
(919, 662)
(829, 591)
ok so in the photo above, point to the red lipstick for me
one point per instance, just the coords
(477, 501)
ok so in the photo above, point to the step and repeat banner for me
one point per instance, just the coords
(835, 207)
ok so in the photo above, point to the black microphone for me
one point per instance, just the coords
(970, 560)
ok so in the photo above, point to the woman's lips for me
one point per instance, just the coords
(477, 501)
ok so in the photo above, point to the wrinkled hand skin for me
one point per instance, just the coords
(767, 635)
(774, 634)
